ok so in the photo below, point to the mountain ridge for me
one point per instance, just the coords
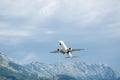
(11, 70)
(78, 69)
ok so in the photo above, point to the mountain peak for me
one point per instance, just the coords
(75, 69)
(61, 70)
(5, 60)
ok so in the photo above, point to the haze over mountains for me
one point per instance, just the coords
(12, 70)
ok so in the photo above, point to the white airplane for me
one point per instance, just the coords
(66, 50)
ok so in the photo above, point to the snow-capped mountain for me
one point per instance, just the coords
(11, 70)
(78, 70)
(4, 60)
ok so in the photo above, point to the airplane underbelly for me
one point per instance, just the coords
(69, 55)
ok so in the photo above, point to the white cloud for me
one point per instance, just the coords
(29, 58)
(10, 37)
(14, 33)
(86, 11)
(112, 30)
(83, 12)
(80, 13)
(28, 8)
(3, 24)
(49, 9)
(50, 32)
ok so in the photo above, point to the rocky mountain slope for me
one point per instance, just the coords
(11, 70)
(77, 70)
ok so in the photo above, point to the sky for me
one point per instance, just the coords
(30, 29)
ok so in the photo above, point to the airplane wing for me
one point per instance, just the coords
(63, 51)
(55, 52)
(77, 49)
(58, 51)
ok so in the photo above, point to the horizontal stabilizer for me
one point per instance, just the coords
(72, 57)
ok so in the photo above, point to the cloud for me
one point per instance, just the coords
(83, 16)
(85, 12)
(28, 8)
(29, 58)
(80, 15)
(23, 33)
(21, 21)
(13, 33)
(50, 32)
(112, 30)
(49, 9)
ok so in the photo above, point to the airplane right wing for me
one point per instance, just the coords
(77, 49)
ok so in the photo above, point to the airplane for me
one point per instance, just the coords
(66, 50)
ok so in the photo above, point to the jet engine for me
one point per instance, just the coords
(70, 49)
(58, 49)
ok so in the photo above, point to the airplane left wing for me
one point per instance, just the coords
(59, 51)
(55, 52)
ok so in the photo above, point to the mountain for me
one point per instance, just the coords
(12, 70)
(75, 70)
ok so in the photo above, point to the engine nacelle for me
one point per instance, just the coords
(58, 49)
(70, 49)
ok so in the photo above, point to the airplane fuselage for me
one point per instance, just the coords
(65, 49)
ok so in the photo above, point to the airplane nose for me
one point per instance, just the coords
(60, 42)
